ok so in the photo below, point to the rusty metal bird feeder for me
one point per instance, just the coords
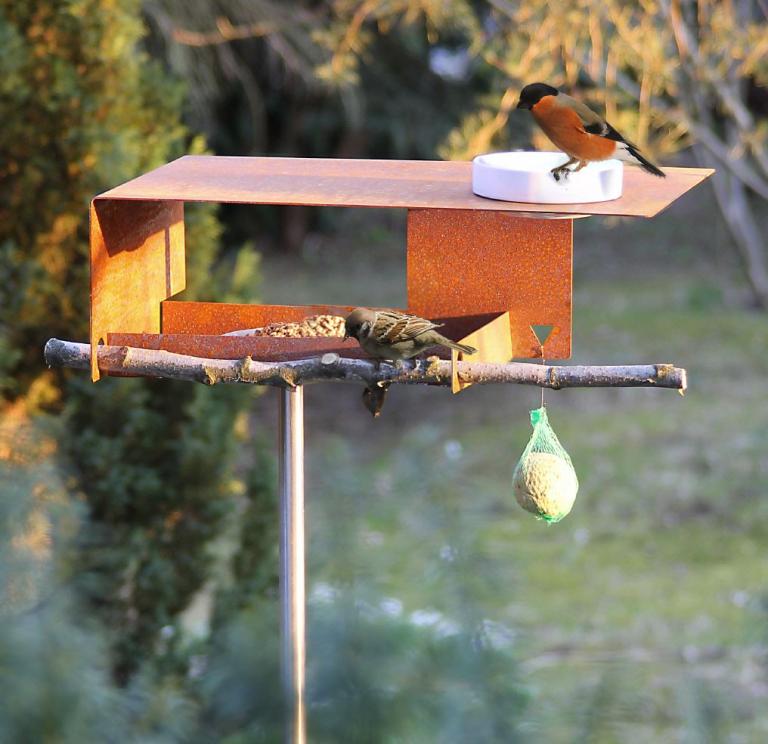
(490, 270)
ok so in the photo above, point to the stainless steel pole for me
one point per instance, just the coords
(292, 566)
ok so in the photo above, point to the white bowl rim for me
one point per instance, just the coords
(526, 161)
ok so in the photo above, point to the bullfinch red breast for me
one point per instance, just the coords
(578, 131)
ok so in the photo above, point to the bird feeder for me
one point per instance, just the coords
(491, 271)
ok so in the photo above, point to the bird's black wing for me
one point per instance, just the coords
(593, 124)
(604, 129)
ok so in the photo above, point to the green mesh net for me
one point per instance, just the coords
(545, 481)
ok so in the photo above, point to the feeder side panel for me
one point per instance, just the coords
(493, 342)
(463, 262)
(137, 260)
(209, 318)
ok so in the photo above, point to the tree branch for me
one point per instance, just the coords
(333, 368)
(224, 33)
(731, 196)
(739, 166)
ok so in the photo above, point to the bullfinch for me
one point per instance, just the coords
(578, 131)
(388, 334)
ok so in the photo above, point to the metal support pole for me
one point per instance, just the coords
(292, 567)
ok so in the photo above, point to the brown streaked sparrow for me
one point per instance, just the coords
(388, 334)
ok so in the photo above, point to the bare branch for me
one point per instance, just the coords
(733, 202)
(333, 368)
(347, 43)
(224, 33)
(727, 89)
(740, 167)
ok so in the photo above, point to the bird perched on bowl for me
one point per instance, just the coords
(388, 334)
(578, 131)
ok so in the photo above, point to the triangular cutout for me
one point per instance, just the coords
(542, 332)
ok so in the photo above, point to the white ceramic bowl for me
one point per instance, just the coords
(526, 177)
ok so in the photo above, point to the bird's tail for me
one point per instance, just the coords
(627, 152)
(459, 347)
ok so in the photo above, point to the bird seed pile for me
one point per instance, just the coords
(331, 326)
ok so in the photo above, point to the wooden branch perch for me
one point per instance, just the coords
(333, 368)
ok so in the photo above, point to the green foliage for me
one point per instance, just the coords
(354, 27)
(372, 677)
(316, 78)
(241, 693)
(253, 568)
(56, 684)
(153, 460)
(83, 108)
(55, 659)
(81, 111)
(449, 686)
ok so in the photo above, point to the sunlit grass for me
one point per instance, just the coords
(657, 577)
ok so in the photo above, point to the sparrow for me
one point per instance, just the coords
(388, 334)
(578, 131)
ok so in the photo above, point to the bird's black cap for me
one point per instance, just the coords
(533, 93)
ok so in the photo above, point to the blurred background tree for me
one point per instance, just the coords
(275, 78)
(618, 56)
(83, 109)
(401, 73)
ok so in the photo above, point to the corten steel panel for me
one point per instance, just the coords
(470, 262)
(269, 348)
(262, 348)
(213, 318)
(137, 260)
(377, 183)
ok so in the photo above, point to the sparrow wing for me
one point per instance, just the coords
(392, 327)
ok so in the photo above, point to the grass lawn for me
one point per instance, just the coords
(641, 616)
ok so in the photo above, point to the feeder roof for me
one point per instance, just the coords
(416, 184)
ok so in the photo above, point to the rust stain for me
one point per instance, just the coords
(465, 262)
(222, 317)
(261, 348)
(276, 349)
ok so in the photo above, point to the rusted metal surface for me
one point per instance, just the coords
(137, 260)
(271, 348)
(466, 262)
(263, 348)
(466, 255)
(376, 183)
(222, 317)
